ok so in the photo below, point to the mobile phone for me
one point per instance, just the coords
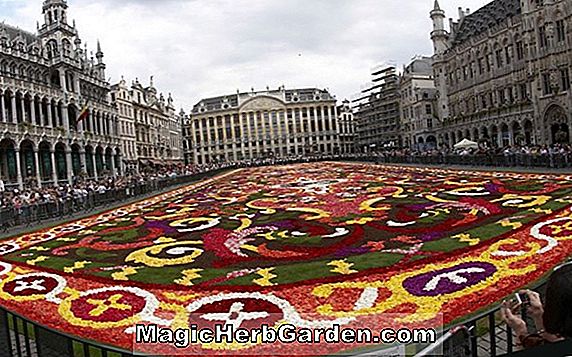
(518, 299)
(523, 299)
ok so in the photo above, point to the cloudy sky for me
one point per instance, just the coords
(203, 48)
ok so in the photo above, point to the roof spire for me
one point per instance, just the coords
(436, 6)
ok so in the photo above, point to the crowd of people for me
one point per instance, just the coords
(554, 156)
(29, 204)
(18, 205)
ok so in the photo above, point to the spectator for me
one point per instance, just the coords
(553, 320)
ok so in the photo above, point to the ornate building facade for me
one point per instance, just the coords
(503, 73)
(46, 80)
(419, 120)
(347, 130)
(272, 123)
(149, 126)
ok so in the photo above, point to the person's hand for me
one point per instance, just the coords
(535, 309)
(514, 321)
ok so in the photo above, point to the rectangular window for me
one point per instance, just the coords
(547, 88)
(560, 31)
(542, 40)
(523, 91)
(508, 54)
(519, 50)
(499, 58)
(565, 79)
(428, 109)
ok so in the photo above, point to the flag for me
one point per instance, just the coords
(84, 113)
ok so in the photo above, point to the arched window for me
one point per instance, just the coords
(542, 36)
(498, 55)
(560, 29)
(66, 46)
(519, 47)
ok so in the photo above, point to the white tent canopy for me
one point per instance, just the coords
(467, 144)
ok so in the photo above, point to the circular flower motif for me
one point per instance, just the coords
(34, 286)
(450, 280)
(109, 307)
(8, 247)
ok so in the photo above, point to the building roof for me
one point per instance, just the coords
(419, 65)
(488, 16)
(12, 33)
(287, 95)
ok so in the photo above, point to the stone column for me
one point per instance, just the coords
(50, 108)
(216, 138)
(69, 166)
(335, 138)
(193, 145)
(37, 165)
(65, 117)
(200, 149)
(54, 169)
(316, 132)
(271, 116)
(250, 137)
(106, 125)
(113, 165)
(323, 120)
(63, 81)
(94, 165)
(3, 108)
(224, 137)
(286, 131)
(242, 140)
(208, 138)
(82, 160)
(259, 118)
(33, 111)
(233, 137)
(278, 134)
(42, 114)
(264, 133)
(23, 109)
(19, 169)
(14, 109)
(295, 116)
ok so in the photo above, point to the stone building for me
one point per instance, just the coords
(376, 111)
(46, 80)
(503, 73)
(419, 121)
(271, 123)
(347, 130)
(150, 128)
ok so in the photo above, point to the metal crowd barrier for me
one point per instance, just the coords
(27, 215)
(22, 338)
(555, 161)
(484, 335)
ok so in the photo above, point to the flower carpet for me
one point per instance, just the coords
(310, 244)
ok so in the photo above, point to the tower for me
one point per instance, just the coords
(440, 39)
(55, 12)
(57, 35)
(438, 35)
(100, 66)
